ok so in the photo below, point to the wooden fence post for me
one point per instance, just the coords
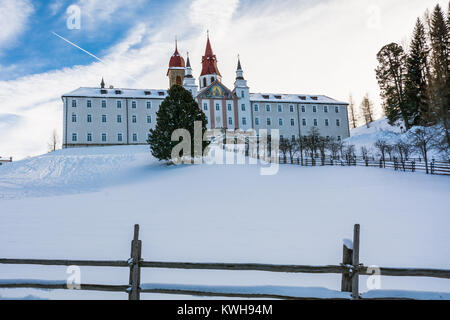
(135, 267)
(355, 258)
(347, 259)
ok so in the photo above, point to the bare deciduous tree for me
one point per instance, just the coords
(54, 142)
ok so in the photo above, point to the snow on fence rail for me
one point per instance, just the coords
(350, 268)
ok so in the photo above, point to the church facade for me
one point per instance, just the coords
(116, 116)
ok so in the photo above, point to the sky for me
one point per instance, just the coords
(292, 46)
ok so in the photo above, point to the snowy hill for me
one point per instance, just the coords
(381, 130)
(82, 204)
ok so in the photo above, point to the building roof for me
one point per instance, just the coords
(176, 61)
(209, 61)
(117, 93)
(293, 98)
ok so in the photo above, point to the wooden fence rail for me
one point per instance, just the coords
(350, 269)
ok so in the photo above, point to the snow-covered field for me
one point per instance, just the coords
(83, 203)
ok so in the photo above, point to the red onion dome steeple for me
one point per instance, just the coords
(176, 61)
(209, 61)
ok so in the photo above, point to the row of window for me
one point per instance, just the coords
(229, 107)
(230, 120)
(104, 137)
(118, 104)
(105, 118)
(292, 122)
(294, 137)
(292, 108)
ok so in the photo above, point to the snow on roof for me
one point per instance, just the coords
(117, 93)
(294, 98)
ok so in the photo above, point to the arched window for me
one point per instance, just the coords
(204, 82)
(212, 79)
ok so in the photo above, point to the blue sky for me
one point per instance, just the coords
(37, 50)
(324, 47)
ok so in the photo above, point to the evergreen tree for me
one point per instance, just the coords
(416, 77)
(440, 73)
(178, 111)
(391, 79)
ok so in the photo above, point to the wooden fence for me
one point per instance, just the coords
(350, 269)
(412, 165)
(5, 160)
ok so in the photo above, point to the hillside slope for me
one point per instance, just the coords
(83, 203)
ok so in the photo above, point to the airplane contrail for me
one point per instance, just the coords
(92, 55)
(73, 44)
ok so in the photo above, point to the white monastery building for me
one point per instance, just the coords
(116, 116)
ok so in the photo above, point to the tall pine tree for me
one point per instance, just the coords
(440, 74)
(178, 111)
(391, 79)
(417, 103)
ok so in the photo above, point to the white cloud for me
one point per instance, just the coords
(319, 48)
(14, 15)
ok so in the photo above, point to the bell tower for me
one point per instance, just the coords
(177, 68)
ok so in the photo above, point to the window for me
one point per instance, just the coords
(304, 122)
(243, 107)
(325, 109)
(205, 106)
(230, 120)
(74, 117)
(256, 108)
(316, 123)
(269, 122)
(244, 121)
(89, 118)
(280, 121)
(119, 118)
(74, 103)
(119, 104)
(204, 82)
(327, 123)
(291, 108)
(281, 137)
(257, 121)
(149, 104)
(292, 122)
(149, 119)
(134, 137)
(133, 104)
(280, 108)
(314, 108)
(303, 109)
(293, 138)
(338, 123)
(229, 107)
(243, 94)
(339, 138)
(134, 119)
(89, 137)
(103, 118)
(103, 137)
(217, 106)
(268, 108)
(89, 104)
(103, 103)
(119, 137)
(74, 137)
(336, 109)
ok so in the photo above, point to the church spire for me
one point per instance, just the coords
(209, 61)
(102, 84)
(239, 71)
